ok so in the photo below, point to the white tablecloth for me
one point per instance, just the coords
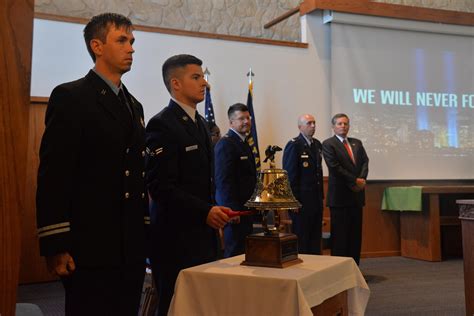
(225, 287)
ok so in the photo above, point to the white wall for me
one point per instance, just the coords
(289, 81)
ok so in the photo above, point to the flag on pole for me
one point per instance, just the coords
(252, 138)
(209, 110)
(208, 107)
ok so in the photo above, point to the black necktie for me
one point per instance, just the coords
(124, 101)
(200, 127)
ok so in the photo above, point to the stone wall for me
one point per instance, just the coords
(234, 17)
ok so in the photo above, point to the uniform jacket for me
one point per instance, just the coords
(303, 164)
(179, 180)
(343, 172)
(91, 198)
(235, 173)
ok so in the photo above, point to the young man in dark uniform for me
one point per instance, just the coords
(179, 179)
(92, 206)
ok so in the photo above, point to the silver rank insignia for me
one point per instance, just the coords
(103, 92)
(155, 152)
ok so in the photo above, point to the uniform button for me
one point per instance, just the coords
(127, 195)
(127, 150)
(127, 173)
(143, 195)
(143, 174)
(143, 153)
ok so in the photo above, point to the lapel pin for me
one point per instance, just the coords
(185, 118)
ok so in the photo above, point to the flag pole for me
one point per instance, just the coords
(252, 139)
(250, 74)
(206, 75)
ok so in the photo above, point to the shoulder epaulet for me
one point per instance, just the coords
(294, 139)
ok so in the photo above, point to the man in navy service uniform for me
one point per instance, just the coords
(179, 179)
(348, 167)
(235, 177)
(92, 206)
(302, 160)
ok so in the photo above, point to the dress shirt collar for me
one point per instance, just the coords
(242, 137)
(342, 139)
(308, 141)
(190, 111)
(112, 86)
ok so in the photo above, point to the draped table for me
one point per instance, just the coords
(225, 287)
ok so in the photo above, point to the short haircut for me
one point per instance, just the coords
(236, 107)
(173, 63)
(99, 25)
(339, 115)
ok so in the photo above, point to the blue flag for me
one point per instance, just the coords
(252, 138)
(209, 108)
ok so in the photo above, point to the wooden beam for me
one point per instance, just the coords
(396, 11)
(16, 36)
(282, 17)
(163, 30)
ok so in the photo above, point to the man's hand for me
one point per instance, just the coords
(61, 264)
(359, 185)
(217, 217)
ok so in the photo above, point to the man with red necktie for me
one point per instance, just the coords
(348, 167)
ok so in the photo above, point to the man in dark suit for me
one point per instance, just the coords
(348, 166)
(92, 208)
(302, 159)
(236, 176)
(179, 179)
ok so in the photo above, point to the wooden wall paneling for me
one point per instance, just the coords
(16, 34)
(380, 229)
(32, 266)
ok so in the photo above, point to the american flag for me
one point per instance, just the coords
(209, 108)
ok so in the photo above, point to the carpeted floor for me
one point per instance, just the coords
(407, 287)
(399, 286)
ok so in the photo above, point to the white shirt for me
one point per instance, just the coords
(190, 111)
(242, 137)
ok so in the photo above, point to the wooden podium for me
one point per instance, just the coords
(436, 230)
(466, 215)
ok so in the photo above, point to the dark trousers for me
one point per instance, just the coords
(234, 236)
(346, 232)
(104, 291)
(307, 225)
(165, 276)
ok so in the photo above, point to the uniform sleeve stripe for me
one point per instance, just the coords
(45, 228)
(53, 232)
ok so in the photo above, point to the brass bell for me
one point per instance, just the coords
(272, 193)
